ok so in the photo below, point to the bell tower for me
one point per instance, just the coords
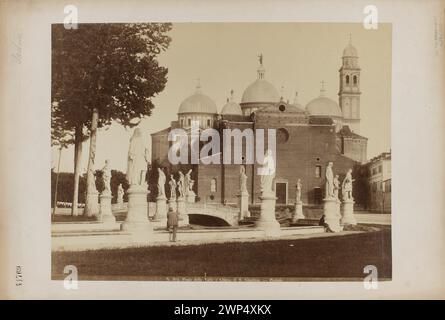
(349, 93)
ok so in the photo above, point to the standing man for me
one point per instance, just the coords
(172, 223)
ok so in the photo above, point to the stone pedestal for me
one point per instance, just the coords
(243, 204)
(92, 202)
(267, 220)
(332, 214)
(191, 197)
(172, 204)
(161, 209)
(298, 212)
(105, 214)
(348, 212)
(182, 211)
(137, 218)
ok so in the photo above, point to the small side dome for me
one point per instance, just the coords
(323, 106)
(198, 103)
(231, 107)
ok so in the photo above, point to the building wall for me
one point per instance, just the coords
(380, 185)
(307, 147)
(355, 148)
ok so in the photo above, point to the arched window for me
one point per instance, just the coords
(347, 79)
(355, 79)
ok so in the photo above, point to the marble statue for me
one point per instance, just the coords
(243, 179)
(267, 173)
(181, 184)
(173, 186)
(137, 159)
(161, 182)
(298, 193)
(347, 186)
(188, 181)
(329, 181)
(120, 194)
(336, 186)
(106, 176)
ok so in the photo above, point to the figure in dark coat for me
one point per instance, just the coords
(172, 223)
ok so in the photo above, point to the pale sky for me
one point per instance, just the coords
(297, 56)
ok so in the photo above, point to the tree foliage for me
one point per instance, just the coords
(111, 67)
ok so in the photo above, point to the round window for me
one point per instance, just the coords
(282, 135)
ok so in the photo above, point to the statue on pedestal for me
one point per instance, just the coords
(267, 172)
(106, 177)
(298, 193)
(336, 186)
(243, 179)
(173, 185)
(161, 182)
(347, 186)
(181, 184)
(138, 158)
(188, 182)
(329, 190)
(120, 194)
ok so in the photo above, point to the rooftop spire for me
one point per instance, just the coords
(198, 85)
(231, 95)
(261, 70)
(350, 38)
(322, 89)
(296, 98)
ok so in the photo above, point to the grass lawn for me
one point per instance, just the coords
(340, 257)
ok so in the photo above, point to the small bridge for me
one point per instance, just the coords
(228, 214)
(200, 212)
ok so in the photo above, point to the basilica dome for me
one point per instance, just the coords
(323, 106)
(198, 103)
(261, 90)
(231, 108)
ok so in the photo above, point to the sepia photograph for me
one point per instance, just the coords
(216, 156)
(221, 151)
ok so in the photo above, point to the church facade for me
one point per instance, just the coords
(307, 138)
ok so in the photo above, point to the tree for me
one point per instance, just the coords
(103, 73)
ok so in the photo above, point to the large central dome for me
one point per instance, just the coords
(198, 103)
(260, 91)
